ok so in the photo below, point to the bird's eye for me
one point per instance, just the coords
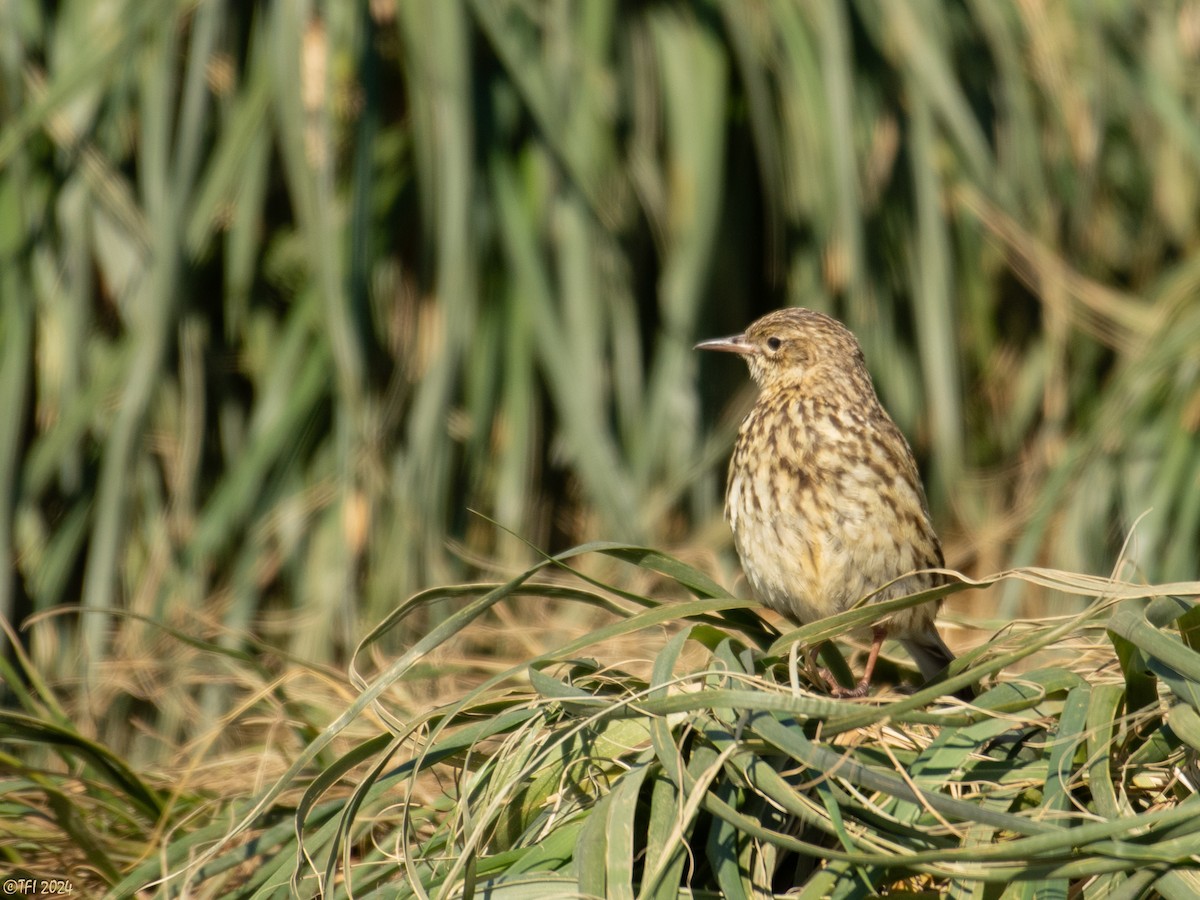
(774, 343)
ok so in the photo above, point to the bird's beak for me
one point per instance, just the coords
(735, 343)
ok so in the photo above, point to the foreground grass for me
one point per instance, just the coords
(701, 759)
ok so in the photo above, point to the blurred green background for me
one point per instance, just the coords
(290, 289)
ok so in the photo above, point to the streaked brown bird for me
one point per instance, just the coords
(824, 497)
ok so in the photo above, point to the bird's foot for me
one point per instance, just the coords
(859, 690)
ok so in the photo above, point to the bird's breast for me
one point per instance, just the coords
(819, 514)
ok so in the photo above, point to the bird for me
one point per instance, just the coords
(824, 497)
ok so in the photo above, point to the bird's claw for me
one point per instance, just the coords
(859, 690)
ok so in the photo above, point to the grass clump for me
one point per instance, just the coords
(678, 746)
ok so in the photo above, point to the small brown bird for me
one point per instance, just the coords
(824, 498)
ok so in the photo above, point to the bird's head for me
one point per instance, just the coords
(786, 345)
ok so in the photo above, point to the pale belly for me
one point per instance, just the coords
(809, 571)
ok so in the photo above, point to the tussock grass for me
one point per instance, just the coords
(698, 756)
(286, 288)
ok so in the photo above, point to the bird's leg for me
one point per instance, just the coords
(878, 634)
(816, 671)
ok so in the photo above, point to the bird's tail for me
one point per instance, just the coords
(932, 656)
